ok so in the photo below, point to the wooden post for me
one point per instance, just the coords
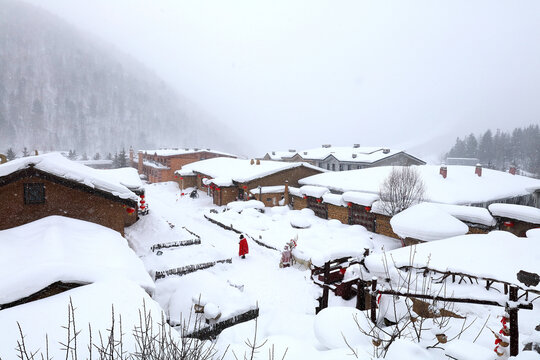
(514, 331)
(373, 300)
(360, 295)
(326, 289)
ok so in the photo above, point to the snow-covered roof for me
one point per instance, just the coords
(314, 191)
(360, 198)
(239, 170)
(334, 199)
(181, 151)
(95, 162)
(269, 189)
(155, 164)
(472, 214)
(519, 212)
(129, 177)
(427, 222)
(56, 248)
(295, 191)
(56, 164)
(462, 185)
(497, 255)
(341, 153)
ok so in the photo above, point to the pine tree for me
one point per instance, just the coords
(25, 152)
(97, 156)
(122, 159)
(10, 154)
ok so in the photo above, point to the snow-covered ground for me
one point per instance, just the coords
(286, 297)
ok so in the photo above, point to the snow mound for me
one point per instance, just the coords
(314, 191)
(533, 233)
(333, 324)
(300, 222)
(519, 212)
(360, 198)
(466, 350)
(426, 222)
(406, 349)
(57, 248)
(238, 206)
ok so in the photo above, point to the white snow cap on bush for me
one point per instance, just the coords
(334, 323)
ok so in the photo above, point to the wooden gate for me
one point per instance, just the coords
(359, 216)
(318, 207)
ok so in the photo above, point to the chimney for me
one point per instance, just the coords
(140, 163)
(443, 171)
(512, 170)
(326, 146)
(356, 146)
(305, 152)
(478, 170)
(354, 156)
(130, 156)
(273, 153)
(292, 150)
(386, 151)
(286, 193)
(258, 162)
(252, 162)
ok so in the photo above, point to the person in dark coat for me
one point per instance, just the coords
(243, 247)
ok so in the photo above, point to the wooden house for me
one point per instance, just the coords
(35, 187)
(227, 179)
(160, 165)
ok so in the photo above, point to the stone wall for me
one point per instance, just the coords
(340, 213)
(298, 202)
(383, 226)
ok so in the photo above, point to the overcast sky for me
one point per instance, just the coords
(297, 74)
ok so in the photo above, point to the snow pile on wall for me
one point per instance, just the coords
(56, 248)
(426, 222)
(360, 198)
(470, 214)
(314, 191)
(518, 212)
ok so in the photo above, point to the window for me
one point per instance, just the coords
(333, 167)
(340, 167)
(349, 167)
(34, 193)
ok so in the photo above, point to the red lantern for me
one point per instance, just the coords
(182, 194)
(142, 196)
(318, 200)
(176, 176)
(142, 201)
(368, 208)
(305, 197)
(349, 204)
(199, 175)
(218, 189)
(245, 187)
(508, 223)
(130, 210)
(181, 178)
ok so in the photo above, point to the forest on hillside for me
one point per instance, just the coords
(500, 150)
(61, 89)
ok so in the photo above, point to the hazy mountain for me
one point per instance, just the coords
(61, 89)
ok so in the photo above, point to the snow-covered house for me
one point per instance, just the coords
(56, 253)
(38, 186)
(457, 185)
(227, 179)
(160, 165)
(517, 219)
(340, 158)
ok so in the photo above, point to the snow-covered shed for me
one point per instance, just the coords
(227, 179)
(56, 253)
(517, 219)
(38, 186)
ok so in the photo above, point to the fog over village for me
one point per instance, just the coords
(269, 179)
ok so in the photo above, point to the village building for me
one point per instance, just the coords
(55, 254)
(35, 187)
(160, 165)
(227, 179)
(341, 158)
(352, 197)
(517, 219)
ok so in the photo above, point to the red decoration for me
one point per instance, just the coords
(176, 176)
(305, 197)
(245, 187)
(142, 196)
(182, 194)
(342, 271)
(318, 200)
(130, 210)
(349, 204)
(508, 223)
(142, 201)
(181, 178)
(218, 189)
(368, 208)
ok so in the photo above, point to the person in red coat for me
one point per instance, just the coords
(243, 247)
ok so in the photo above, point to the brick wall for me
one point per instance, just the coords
(383, 226)
(340, 213)
(60, 200)
(299, 203)
(475, 230)
(185, 182)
